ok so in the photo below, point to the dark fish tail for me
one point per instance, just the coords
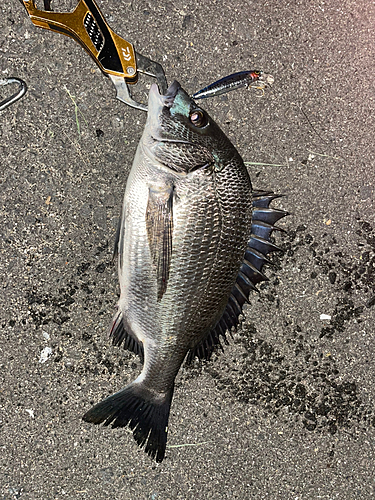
(145, 414)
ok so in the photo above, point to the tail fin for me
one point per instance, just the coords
(146, 414)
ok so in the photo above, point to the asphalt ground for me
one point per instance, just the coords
(286, 413)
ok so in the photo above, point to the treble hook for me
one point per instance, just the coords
(17, 95)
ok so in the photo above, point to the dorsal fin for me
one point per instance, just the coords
(250, 273)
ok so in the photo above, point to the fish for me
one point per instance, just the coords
(192, 241)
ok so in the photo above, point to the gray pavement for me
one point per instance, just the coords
(286, 413)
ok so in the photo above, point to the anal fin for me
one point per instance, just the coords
(120, 335)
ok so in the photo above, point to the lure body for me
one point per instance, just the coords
(256, 79)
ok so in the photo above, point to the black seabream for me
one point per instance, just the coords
(191, 246)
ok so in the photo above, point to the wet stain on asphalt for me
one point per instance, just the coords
(56, 307)
(301, 379)
(307, 387)
(44, 308)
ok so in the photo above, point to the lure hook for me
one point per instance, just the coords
(22, 88)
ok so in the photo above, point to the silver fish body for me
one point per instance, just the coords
(210, 224)
(185, 228)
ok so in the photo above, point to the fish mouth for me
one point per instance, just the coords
(170, 141)
(166, 99)
(156, 104)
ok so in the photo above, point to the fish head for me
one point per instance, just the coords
(181, 135)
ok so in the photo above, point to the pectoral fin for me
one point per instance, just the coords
(159, 225)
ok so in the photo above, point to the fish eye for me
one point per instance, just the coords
(198, 118)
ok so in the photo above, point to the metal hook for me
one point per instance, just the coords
(17, 95)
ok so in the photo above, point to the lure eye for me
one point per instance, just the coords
(198, 118)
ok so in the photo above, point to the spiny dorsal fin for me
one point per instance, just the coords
(249, 275)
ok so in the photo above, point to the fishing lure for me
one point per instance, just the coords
(255, 79)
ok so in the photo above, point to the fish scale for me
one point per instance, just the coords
(191, 246)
